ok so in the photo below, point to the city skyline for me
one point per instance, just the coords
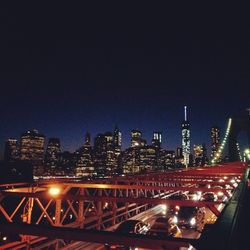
(126, 139)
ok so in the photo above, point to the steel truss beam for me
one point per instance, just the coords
(97, 236)
(122, 197)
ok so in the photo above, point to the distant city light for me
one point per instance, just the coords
(217, 156)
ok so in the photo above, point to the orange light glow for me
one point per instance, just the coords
(54, 191)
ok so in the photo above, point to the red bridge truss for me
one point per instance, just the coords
(68, 210)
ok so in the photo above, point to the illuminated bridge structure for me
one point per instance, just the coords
(238, 125)
(230, 147)
(69, 214)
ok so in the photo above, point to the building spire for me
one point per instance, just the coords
(186, 138)
(185, 113)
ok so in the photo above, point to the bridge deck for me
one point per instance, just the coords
(135, 194)
(242, 231)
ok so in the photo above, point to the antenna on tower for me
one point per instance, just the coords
(185, 113)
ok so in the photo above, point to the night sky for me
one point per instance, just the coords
(68, 69)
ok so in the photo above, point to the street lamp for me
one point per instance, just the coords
(54, 191)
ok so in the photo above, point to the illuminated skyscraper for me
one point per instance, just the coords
(198, 151)
(87, 139)
(200, 155)
(11, 150)
(32, 146)
(185, 138)
(136, 157)
(67, 163)
(135, 138)
(215, 138)
(131, 160)
(84, 161)
(52, 155)
(179, 152)
(110, 161)
(157, 137)
(104, 155)
(32, 149)
(148, 158)
(117, 140)
(100, 155)
(167, 159)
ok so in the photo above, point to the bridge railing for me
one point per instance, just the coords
(222, 235)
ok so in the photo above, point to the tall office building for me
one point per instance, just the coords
(167, 158)
(84, 163)
(99, 144)
(110, 161)
(52, 156)
(140, 156)
(131, 160)
(215, 140)
(185, 138)
(156, 144)
(157, 137)
(87, 141)
(136, 139)
(204, 158)
(67, 163)
(32, 149)
(148, 158)
(117, 139)
(104, 155)
(137, 159)
(11, 152)
(200, 155)
(179, 152)
(198, 151)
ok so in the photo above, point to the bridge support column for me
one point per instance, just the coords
(27, 217)
(27, 213)
(81, 217)
(58, 213)
(114, 207)
(126, 205)
(99, 210)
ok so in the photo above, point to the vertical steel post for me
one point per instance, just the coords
(81, 217)
(114, 208)
(58, 212)
(126, 205)
(99, 210)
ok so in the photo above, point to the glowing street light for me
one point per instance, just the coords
(54, 191)
(246, 154)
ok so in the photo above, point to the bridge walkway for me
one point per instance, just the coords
(242, 231)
